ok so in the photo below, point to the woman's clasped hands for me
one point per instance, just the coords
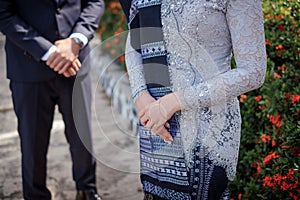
(154, 114)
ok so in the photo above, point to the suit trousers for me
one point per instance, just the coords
(34, 104)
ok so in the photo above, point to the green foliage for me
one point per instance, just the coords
(112, 24)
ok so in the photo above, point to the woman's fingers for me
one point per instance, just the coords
(143, 116)
(164, 134)
(142, 113)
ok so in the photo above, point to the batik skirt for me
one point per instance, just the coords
(165, 173)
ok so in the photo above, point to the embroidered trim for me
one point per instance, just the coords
(132, 13)
(137, 92)
(146, 3)
(164, 192)
(154, 49)
(137, 4)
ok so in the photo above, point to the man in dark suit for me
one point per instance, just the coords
(46, 42)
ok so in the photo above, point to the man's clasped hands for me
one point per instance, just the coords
(154, 114)
(64, 59)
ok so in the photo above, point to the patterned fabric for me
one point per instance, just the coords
(163, 168)
(199, 38)
(164, 172)
(150, 50)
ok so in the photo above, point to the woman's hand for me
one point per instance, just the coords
(144, 100)
(156, 115)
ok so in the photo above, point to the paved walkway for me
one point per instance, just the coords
(115, 147)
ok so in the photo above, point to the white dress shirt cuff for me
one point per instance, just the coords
(48, 53)
(81, 37)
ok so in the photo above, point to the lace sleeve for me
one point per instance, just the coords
(134, 66)
(245, 23)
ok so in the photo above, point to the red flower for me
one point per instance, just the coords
(120, 30)
(115, 11)
(117, 40)
(281, 27)
(279, 47)
(240, 196)
(268, 181)
(282, 68)
(242, 98)
(276, 75)
(268, 43)
(279, 17)
(257, 167)
(121, 58)
(265, 138)
(295, 98)
(287, 95)
(278, 178)
(290, 174)
(286, 186)
(270, 157)
(275, 120)
(296, 151)
(258, 98)
(273, 143)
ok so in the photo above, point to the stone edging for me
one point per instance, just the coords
(115, 83)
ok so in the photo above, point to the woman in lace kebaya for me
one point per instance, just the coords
(178, 59)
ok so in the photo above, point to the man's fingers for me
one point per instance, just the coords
(67, 74)
(77, 63)
(50, 60)
(64, 68)
(59, 66)
(72, 71)
(57, 42)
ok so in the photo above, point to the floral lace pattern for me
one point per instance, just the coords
(134, 65)
(199, 63)
(199, 38)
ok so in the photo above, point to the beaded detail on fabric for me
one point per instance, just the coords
(154, 49)
(172, 5)
(217, 4)
(199, 54)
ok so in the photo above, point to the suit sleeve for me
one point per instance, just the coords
(21, 33)
(88, 21)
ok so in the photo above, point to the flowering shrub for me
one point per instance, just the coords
(270, 144)
(112, 24)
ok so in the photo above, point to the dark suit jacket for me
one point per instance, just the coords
(32, 26)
